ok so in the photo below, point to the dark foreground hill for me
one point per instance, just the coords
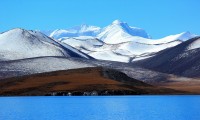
(84, 81)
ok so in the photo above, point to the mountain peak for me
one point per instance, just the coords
(81, 30)
(185, 33)
(117, 22)
(86, 28)
(185, 36)
(84, 25)
(119, 32)
(16, 30)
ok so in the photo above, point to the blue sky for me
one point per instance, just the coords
(158, 17)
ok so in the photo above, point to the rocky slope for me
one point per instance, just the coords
(182, 59)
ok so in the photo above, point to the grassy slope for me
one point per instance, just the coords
(79, 80)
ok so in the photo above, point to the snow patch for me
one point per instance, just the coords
(194, 45)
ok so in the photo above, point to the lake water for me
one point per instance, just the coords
(101, 108)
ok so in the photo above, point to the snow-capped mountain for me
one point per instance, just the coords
(82, 30)
(119, 32)
(182, 59)
(125, 51)
(181, 36)
(117, 41)
(19, 44)
(95, 48)
(116, 32)
(122, 52)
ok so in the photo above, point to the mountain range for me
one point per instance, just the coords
(123, 51)
(116, 42)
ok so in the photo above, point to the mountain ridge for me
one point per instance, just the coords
(120, 42)
(19, 43)
(116, 42)
(179, 60)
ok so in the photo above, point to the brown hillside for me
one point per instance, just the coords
(78, 80)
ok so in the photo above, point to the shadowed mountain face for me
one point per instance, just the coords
(77, 82)
(182, 59)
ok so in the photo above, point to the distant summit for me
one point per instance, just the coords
(82, 30)
(117, 22)
(119, 31)
(115, 33)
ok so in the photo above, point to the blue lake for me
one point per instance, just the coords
(101, 108)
